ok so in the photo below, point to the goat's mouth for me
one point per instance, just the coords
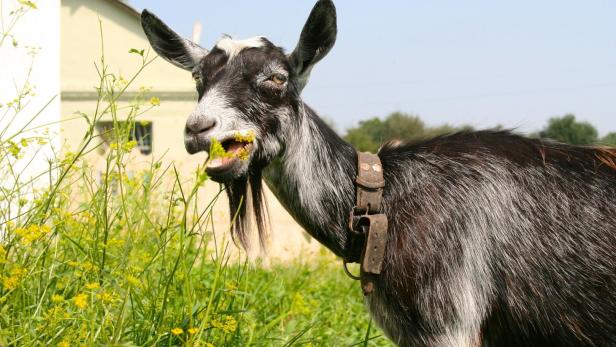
(230, 156)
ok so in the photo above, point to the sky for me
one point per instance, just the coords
(481, 63)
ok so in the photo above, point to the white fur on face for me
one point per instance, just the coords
(234, 47)
(215, 105)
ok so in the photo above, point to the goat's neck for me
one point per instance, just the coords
(313, 178)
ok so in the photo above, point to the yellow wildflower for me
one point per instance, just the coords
(56, 313)
(92, 286)
(115, 242)
(32, 233)
(132, 281)
(56, 298)
(14, 149)
(64, 343)
(130, 145)
(81, 300)
(177, 331)
(61, 284)
(12, 281)
(154, 101)
(88, 266)
(228, 324)
(2, 254)
(106, 297)
(193, 331)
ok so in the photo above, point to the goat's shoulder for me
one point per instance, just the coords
(487, 145)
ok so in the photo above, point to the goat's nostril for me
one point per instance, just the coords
(200, 126)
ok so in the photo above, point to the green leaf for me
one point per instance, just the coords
(28, 3)
(136, 51)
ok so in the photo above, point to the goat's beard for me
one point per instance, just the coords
(246, 193)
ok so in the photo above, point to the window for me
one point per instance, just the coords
(141, 133)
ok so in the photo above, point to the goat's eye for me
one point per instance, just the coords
(197, 79)
(278, 78)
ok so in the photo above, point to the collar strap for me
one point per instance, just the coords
(368, 227)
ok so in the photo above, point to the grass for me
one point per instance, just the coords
(106, 256)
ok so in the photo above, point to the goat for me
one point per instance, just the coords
(494, 239)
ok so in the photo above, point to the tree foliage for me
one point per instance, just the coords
(370, 134)
(566, 129)
(609, 139)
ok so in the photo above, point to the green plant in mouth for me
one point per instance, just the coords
(218, 151)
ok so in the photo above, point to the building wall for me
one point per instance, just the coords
(121, 31)
(37, 31)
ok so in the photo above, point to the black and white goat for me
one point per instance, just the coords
(494, 239)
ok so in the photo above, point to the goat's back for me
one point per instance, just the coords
(501, 239)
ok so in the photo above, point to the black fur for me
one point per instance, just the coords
(549, 237)
(494, 239)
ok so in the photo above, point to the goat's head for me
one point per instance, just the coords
(248, 90)
(249, 98)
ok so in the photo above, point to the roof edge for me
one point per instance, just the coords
(125, 6)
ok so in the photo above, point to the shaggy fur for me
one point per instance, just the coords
(494, 239)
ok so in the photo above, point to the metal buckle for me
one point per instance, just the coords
(346, 270)
(375, 231)
(373, 228)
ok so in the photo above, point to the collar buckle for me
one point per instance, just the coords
(368, 227)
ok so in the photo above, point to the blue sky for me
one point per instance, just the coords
(515, 63)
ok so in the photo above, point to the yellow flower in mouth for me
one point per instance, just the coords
(154, 101)
(177, 331)
(247, 136)
(81, 300)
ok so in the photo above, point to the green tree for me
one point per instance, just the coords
(609, 139)
(566, 129)
(370, 134)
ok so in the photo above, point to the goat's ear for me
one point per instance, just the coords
(169, 45)
(317, 39)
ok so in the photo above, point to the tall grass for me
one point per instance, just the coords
(104, 256)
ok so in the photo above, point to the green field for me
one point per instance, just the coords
(132, 261)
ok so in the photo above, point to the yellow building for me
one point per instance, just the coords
(163, 125)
